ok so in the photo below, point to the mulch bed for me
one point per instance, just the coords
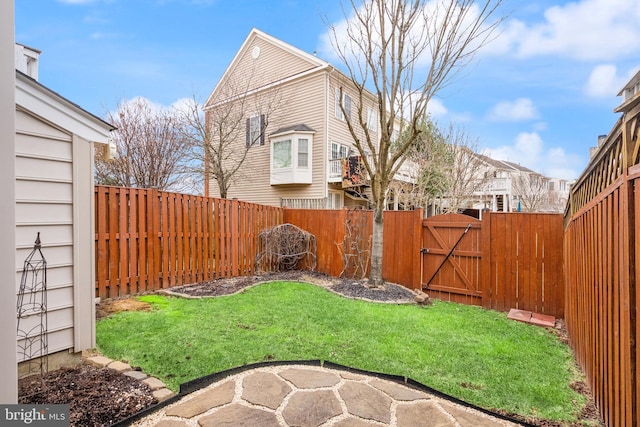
(96, 396)
(102, 396)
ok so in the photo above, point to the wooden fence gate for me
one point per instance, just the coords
(507, 260)
(451, 258)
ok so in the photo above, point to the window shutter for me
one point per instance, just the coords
(262, 129)
(248, 133)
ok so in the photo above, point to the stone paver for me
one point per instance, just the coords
(138, 375)
(311, 408)
(366, 402)
(306, 396)
(467, 418)
(99, 361)
(265, 389)
(352, 422)
(309, 378)
(162, 394)
(154, 383)
(172, 423)
(119, 366)
(422, 414)
(218, 396)
(237, 415)
(397, 391)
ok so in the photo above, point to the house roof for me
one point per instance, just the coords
(493, 162)
(59, 111)
(294, 128)
(518, 167)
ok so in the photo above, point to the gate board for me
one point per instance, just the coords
(458, 280)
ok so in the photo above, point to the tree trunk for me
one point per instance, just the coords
(375, 276)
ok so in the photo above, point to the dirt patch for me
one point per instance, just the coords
(108, 307)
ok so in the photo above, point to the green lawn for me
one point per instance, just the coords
(473, 354)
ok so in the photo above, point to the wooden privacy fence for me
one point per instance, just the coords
(602, 256)
(401, 262)
(148, 239)
(507, 260)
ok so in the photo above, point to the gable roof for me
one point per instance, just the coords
(315, 63)
(295, 128)
(59, 111)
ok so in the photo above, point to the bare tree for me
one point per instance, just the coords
(151, 150)
(385, 45)
(464, 178)
(234, 113)
(532, 191)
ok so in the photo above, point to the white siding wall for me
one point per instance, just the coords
(44, 203)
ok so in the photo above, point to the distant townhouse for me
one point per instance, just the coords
(505, 186)
(301, 154)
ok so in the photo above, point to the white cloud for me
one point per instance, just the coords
(528, 150)
(604, 81)
(436, 108)
(583, 30)
(522, 109)
(435, 16)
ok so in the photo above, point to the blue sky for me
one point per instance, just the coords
(538, 95)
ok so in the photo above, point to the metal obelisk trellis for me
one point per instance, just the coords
(32, 313)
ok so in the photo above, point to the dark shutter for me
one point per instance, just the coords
(262, 129)
(248, 133)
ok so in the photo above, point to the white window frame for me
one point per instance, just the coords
(372, 119)
(341, 150)
(291, 170)
(255, 130)
(305, 152)
(287, 164)
(346, 102)
(335, 196)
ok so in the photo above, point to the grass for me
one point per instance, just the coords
(470, 353)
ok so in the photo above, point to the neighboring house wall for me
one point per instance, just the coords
(8, 370)
(306, 89)
(300, 107)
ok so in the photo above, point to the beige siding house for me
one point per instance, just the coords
(299, 161)
(54, 146)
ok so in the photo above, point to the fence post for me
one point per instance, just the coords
(485, 261)
(235, 236)
(416, 249)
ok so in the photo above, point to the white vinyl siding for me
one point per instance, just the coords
(44, 203)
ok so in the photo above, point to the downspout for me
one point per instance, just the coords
(325, 155)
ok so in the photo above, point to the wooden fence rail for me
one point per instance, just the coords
(148, 239)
